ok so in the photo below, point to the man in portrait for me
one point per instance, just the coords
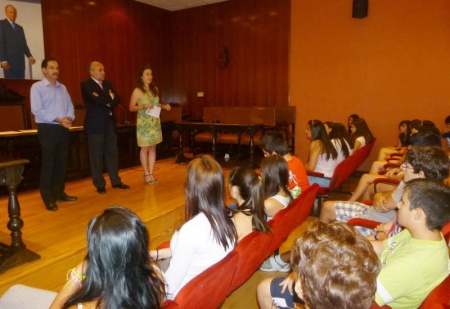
(13, 46)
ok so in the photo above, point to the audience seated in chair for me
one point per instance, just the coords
(322, 153)
(333, 267)
(117, 271)
(361, 134)
(275, 180)
(208, 234)
(273, 143)
(413, 262)
(365, 190)
(421, 162)
(339, 137)
(350, 120)
(402, 144)
(246, 188)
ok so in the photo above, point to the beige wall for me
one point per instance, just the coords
(392, 65)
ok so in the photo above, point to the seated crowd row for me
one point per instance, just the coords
(119, 272)
(414, 255)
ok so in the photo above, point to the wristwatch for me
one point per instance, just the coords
(377, 233)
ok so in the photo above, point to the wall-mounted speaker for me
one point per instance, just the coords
(360, 8)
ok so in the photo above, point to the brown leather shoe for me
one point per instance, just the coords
(66, 198)
(51, 206)
(101, 190)
(121, 186)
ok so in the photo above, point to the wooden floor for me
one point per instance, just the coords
(59, 237)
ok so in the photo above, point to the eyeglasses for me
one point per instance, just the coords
(405, 166)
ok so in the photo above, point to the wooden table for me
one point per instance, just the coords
(214, 129)
(16, 254)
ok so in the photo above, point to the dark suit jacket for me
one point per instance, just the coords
(13, 45)
(98, 113)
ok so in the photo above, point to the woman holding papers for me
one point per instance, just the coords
(145, 101)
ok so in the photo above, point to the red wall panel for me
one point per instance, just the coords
(182, 47)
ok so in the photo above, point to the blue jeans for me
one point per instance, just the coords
(323, 182)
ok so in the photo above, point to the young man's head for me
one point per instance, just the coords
(426, 162)
(424, 200)
(335, 267)
(273, 143)
(426, 138)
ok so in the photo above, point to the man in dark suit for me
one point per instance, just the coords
(100, 98)
(13, 46)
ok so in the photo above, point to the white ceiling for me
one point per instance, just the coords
(175, 5)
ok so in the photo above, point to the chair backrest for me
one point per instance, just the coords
(253, 249)
(446, 232)
(439, 296)
(370, 224)
(210, 288)
(343, 171)
(286, 220)
(349, 165)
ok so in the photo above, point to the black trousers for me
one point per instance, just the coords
(103, 150)
(54, 140)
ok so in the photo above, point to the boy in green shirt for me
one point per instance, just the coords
(416, 260)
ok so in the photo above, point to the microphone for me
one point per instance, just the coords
(125, 119)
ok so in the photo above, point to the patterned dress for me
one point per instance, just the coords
(148, 128)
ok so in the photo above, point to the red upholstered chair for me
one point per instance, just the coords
(341, 173)
(363, 222)
(286, 220)
(439, 297)
(252, 250)
(209, 289)
(446, 232)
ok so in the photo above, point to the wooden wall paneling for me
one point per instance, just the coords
(78, 32)
(182, 47)
(88, 20)
(256, 34)
(224, 88)
(120, 54)
(184, 55)
(244, 48)
(280, 57)
(210, 53)
(65, 45)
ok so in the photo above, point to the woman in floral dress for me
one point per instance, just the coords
(144, 99)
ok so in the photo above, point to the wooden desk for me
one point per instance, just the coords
(214, 128)
(25, 144)
(16, 254)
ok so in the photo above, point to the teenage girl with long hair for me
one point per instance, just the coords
(361, 135)
(246, 188)
(322, 153)
(208, 235)
(117, 271)
(275, 181)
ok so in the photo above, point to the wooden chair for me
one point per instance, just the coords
(252, 250)
(209, 289)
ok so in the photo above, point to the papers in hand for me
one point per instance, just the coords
(155, 111)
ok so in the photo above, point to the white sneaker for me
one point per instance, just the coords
(271, 264)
